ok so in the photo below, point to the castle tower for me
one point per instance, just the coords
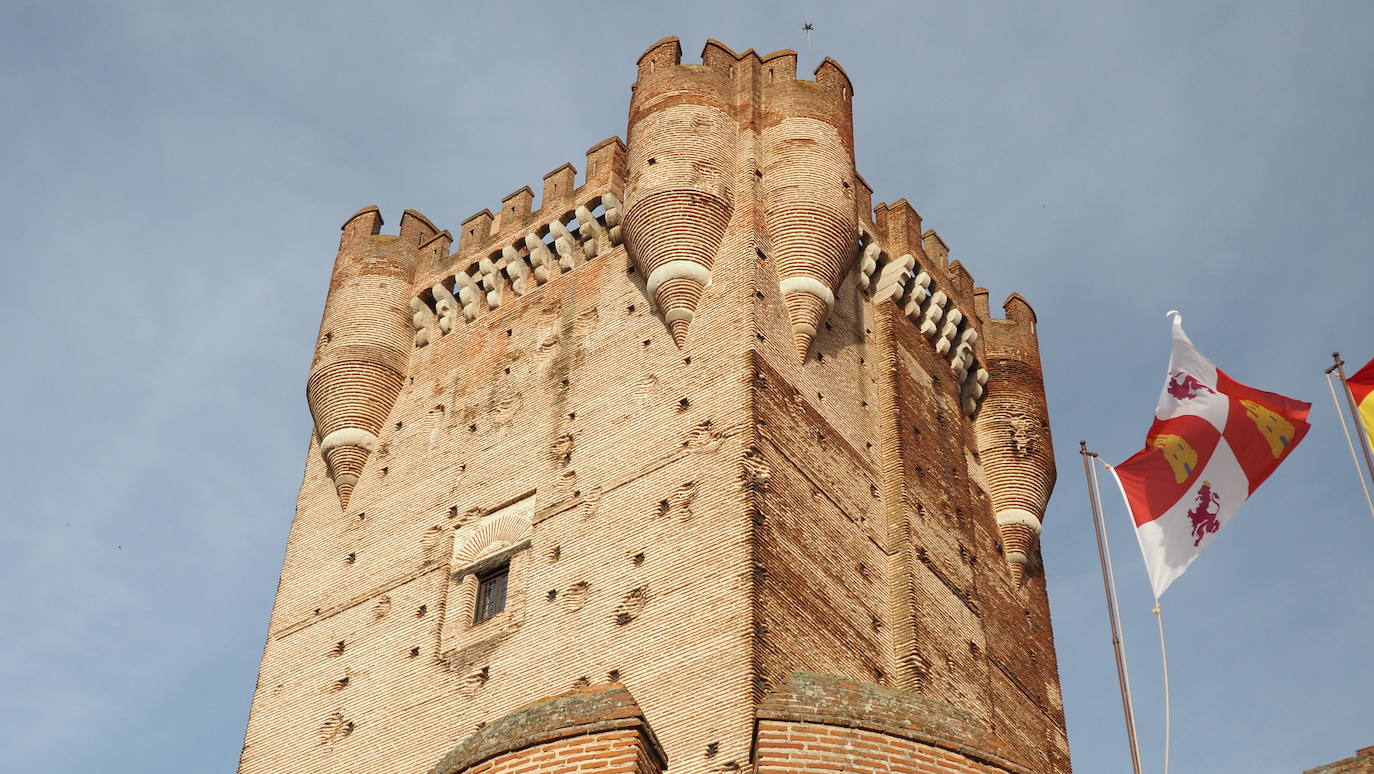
(704, 465)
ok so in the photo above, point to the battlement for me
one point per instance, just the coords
(665, 55)
(914, 273)
(415, 230)
(516, 261)
(523, 248)
(933, 298)
(669, 195)
(560, 199)
(996, 363)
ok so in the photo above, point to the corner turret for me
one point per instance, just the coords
(808, 188)
(678, 196)
(1013, 432)
(363, 351)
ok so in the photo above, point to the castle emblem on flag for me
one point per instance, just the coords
(1181, 457)
(1204, 514)
(1275, 429)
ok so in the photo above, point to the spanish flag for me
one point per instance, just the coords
(1362, 390)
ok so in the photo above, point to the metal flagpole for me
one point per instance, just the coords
(1164, 662)
(1111, 607)
(1339, 368)
(808, 27)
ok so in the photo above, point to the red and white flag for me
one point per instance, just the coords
(1213, 442)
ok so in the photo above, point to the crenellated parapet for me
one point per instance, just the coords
(669, 195)
(515, 264)
(995, 361)
(508, 254)
(690, 125)
(1013, 431)
(484, 233)
(902, 265)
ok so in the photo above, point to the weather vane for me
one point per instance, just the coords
(807, 27)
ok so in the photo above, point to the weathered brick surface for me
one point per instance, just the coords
(611, 752)
(1361, 763)
(776, 455)
(805, 747)
(818, 723)
(592, 729)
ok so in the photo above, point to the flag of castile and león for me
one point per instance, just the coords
(1361, 385)
(1213, 442)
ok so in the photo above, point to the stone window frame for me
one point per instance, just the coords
(460, 629)
(468, 579)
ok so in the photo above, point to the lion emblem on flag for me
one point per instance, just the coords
(1275, 429)
(1204, 514)
(1186, 387)
(1178, 453)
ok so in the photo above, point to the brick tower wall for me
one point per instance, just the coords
(744, 442)
(638, 557)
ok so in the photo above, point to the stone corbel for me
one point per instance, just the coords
(420, 319)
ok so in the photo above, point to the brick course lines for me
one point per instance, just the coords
(809, 215)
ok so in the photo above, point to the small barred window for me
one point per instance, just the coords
(491, 593)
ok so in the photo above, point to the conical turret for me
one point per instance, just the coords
(363, 352)
(1013, 432)
(678, 197)
(808, 189)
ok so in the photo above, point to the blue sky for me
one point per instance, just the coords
(174, 175)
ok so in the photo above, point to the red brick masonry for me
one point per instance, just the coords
(823, 723)
(593, 730)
